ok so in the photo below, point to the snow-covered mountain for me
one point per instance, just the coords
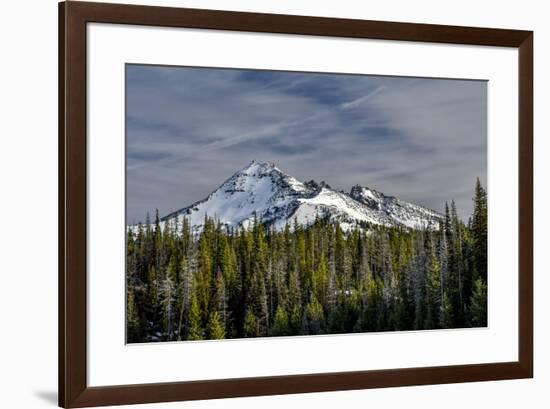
(397, 211)
(262, 190)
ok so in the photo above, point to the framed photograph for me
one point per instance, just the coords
(255, 204)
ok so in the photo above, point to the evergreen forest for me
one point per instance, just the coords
(305, 280)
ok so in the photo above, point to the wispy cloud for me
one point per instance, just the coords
(190, 128)
(358, 101)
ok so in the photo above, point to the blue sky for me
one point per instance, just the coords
(189, 129)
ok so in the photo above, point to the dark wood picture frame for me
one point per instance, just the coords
(73, 388)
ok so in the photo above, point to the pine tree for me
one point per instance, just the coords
(168, 299)
(184, 297)
(228, 263)
(478, 304)
(314, 314)
(444, 255)
(214, 328)
(133, 331)
(320, 280)
(294, 302)
(446, 313)
(152, 289)
(157, 243)
(457, 300)
(295, 320)
(479, 231)
(257, 299)
(373, 300)
(251, 329)
(418, 278)
(219, 299)
(280, 325)
(204, 276)
(166, 302)
(340, 258)
(433, 295)
(195, 326)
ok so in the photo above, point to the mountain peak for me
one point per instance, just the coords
(356, 190)
(360, 193)
(255, 167)
(314, 185)
(261, 189)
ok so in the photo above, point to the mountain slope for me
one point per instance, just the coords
(262, 190)
(397, 211)
(259, 189)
